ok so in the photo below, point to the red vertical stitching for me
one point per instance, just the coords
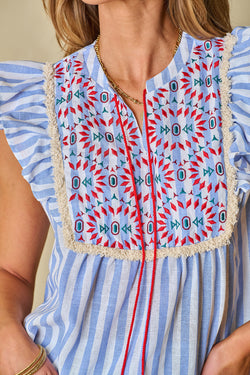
(142, 242)
(155, 236)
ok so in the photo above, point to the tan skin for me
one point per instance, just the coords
(150, 44)
(21, 244)
(147, 49)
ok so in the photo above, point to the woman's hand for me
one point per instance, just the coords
(47, 369)
(17, 351)
(231, 356)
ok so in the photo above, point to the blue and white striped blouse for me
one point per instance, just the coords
(160, 212)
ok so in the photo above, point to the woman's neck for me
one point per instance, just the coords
(137, 40)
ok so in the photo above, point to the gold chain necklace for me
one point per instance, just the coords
(115, 86)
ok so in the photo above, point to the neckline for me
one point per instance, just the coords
(160, 80)
(179, 60)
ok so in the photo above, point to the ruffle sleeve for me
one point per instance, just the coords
(25, 123)
(239, 74)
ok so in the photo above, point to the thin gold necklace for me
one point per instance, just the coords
(115, 86)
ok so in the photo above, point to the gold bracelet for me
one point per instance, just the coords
(39, 364)
(36, 364)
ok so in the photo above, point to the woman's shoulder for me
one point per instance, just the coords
(24, 87)
(13, 73)
(237, 46)
(23, 118)
(242, 33)
(239, 79)
(241, 39)
(20, 82)
(22, 67)
(239, 67)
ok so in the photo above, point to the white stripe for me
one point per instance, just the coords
(82, 306)
(195, 293)
(124, 280)
(246, 265)
(155, 318)
(172, 296)
(177, 334)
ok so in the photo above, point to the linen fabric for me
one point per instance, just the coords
(74, 137)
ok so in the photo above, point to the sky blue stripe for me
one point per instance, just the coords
(207, 294)
(217, 298)
(198, 361)
(23, 89)
(109, 317)
(25, 68)
(74, 311)
(121, 336)
(57, 317)
(139, 325)
(168, 365)
(164, 294)
(100, 269)
(232, 256)
(185, 322)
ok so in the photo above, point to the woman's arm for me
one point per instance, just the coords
(23, 230)
(232, 355)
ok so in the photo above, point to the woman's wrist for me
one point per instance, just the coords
(36, 364)
(17, 350)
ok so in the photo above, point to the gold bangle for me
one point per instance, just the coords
(36, 364)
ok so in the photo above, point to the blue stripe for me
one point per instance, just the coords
(185, 323)
(60, 323)
(164, 294)
(108, 319)
(121, 336)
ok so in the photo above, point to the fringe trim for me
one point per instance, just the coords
(227, 122)
(56, 155)
(133, 254)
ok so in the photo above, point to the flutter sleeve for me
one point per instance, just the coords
(239, 74)
(24, 120)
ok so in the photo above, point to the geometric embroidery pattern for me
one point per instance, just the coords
(186, 147)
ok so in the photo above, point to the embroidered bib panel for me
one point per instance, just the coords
(192, 177)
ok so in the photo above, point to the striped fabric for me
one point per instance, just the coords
(198, 299)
